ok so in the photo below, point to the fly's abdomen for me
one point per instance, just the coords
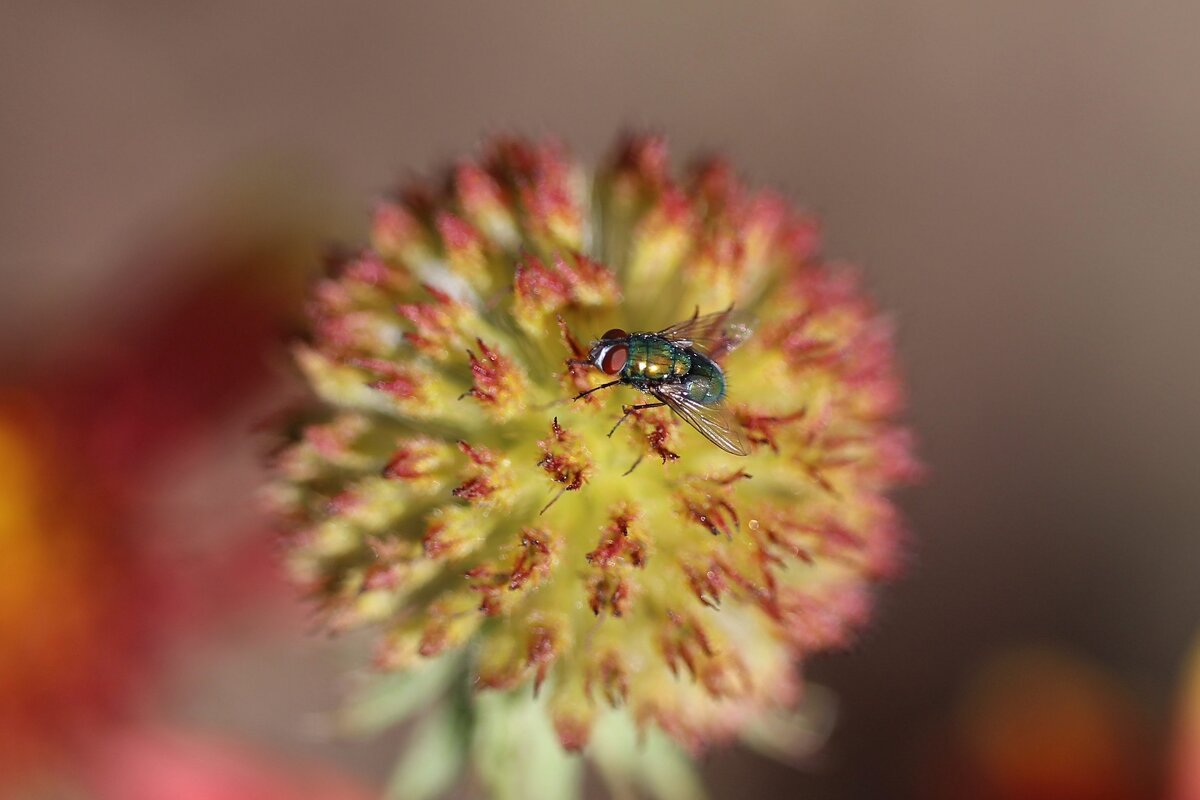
(705, 383)
(654, 358)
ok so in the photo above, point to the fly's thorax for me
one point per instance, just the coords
(654, 358)
(705, 382)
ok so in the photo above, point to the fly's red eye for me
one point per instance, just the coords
(615, 333)
(613, 360)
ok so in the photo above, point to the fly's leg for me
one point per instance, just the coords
(635, 465)
(629, 410)
(553, 500)
(595, 389)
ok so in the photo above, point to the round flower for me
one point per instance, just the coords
(453, 490)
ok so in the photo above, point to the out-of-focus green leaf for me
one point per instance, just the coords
(666, 771)
(433, 758)
(517, 751)
(790, 736)
(613, 749)
(650, 763)
(390, 699)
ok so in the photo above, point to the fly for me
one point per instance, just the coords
(678, 367)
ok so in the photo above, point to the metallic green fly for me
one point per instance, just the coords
(678, 367)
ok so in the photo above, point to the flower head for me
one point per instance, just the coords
(450, 491)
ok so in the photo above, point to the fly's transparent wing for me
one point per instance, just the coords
(712, 334)
(714, 422)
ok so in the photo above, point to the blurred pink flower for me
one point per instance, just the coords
(160, 764)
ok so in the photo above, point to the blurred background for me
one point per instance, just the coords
(1021, 182)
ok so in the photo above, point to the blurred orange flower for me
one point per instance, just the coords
(75, 597)
(1040, 724)
(93, 585)
(1184, 778)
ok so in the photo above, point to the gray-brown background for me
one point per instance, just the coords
(1021, 181)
